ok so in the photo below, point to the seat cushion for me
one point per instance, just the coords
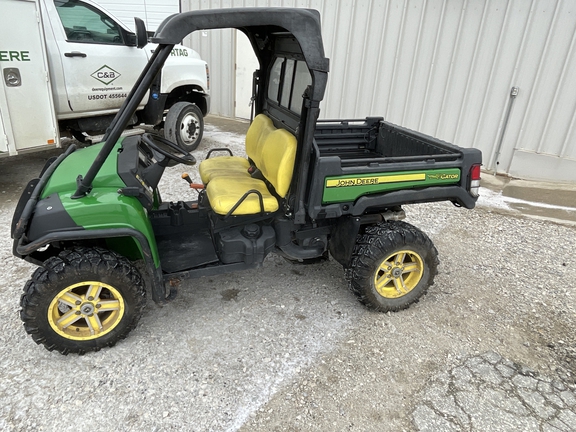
(260, 128)
(224, 192)
(272, 150)
(223, 166)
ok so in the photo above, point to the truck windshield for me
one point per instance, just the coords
(83, 23)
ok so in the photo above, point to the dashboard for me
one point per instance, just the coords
(140, 168)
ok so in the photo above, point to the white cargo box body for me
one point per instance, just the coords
(26, 104)
(3, 133)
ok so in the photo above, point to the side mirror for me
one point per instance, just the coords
(141, 35)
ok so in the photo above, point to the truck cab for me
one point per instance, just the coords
(91, 61)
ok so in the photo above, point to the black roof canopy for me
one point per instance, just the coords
(303, 24)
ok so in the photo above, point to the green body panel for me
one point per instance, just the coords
(103, 207)
(77, 163)
(350, 187)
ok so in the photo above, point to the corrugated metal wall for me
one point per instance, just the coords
(152, 12)
(218, 49)
(445, 68)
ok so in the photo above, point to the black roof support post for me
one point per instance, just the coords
(123, 116)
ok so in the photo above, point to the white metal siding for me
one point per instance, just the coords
(152, 12)
(445, 68)
(216, 47)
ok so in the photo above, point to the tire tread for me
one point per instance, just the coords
(376, 241)
(78, 260)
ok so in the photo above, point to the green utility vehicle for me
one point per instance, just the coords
(95, 223)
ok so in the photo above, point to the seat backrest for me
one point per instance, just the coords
(273, 151)
(260, 127)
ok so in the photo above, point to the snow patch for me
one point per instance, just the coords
(489, 198)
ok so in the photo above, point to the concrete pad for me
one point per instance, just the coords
(238, 126)
(545, 200)
(558, 194)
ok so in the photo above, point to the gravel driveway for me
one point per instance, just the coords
(288, 348)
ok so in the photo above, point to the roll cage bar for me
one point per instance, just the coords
(263, 26)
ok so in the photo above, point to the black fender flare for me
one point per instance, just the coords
(23, 250)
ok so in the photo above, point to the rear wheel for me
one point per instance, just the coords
(82, 300)
(184, 125)
(393, 265)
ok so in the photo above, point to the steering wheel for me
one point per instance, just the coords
(79, 35)
(170, 151)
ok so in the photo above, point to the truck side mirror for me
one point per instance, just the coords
(141, 35)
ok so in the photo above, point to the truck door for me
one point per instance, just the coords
(27, 116)
(100, 65)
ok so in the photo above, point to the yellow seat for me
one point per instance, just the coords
(276, 160)
(273, 152)
(261, 127)
(225, 165)
(222, 166)
(224, 192)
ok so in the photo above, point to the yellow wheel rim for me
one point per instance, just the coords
(398, 274)
(86, 310)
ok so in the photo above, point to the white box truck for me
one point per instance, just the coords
(66, 67)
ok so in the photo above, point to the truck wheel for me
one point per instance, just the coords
(184, 125)
(82, 300)
(392, 266)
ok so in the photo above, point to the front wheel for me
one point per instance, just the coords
(82, 300)
(393, 265)
(184, 125)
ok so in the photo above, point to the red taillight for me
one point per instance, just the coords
(475, 180)
(475, 172)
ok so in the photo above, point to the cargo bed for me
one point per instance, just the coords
(360, 142)
(371, 163)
